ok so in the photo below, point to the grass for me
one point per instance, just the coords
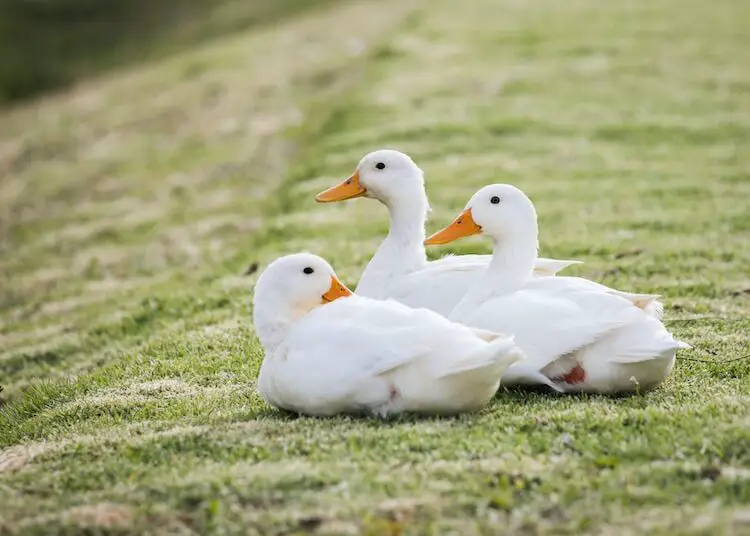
(132, 206)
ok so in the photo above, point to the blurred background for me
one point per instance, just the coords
(50, 44)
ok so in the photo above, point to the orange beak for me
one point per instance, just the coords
(463, 225)
(349, 189)
(336, 291)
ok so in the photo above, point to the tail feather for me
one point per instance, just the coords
(647, 352)
(648, 302)
(652, 306)
(550, 267)
(498, 355)
(527, 376)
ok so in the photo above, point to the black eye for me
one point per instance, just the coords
(380, 165)
(495, 200)
(308, 270)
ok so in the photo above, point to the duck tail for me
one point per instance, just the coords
(496, 356)
(651, 306)
(523, 375)
(504, 352)
(551, 267)
(656, 346)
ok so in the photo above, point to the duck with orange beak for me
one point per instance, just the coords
(331, 352)
(399, 269)
(578, 335)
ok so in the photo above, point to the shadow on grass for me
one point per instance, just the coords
(505, 396)
(366, 419)
(541, 392)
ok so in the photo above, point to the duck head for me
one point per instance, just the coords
(290, 287)
(389, 176)
(500, 211)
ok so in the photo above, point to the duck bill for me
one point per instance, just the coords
(463, 225)
(348, 189)
(337, 290)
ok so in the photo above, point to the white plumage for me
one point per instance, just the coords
(565, 324)
(577, 335)
(358, 355)
(399, 269)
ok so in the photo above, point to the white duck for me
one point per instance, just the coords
(357, 355)
(399, 269)
(577, 335)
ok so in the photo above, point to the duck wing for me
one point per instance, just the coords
(553, 317)
(543, 266)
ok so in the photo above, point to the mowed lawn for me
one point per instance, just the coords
(136, 210)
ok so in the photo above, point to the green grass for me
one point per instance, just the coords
(132, 206)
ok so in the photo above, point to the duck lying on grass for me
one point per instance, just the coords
(331, 352)
(399, 269)
(577, 335)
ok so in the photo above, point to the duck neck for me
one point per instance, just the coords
(272, 324)
(512, 264)
(271, 330)
(402, 251)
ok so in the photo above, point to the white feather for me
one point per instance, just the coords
(399, 269)
(362, 355)
(562, 324)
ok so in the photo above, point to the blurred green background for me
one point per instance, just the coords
(50, 44)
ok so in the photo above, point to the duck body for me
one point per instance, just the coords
(577, 338)
(359, 355)
(578, 335)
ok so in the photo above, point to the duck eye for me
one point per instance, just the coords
(495, 200)
(380, 165)
(308, 270)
